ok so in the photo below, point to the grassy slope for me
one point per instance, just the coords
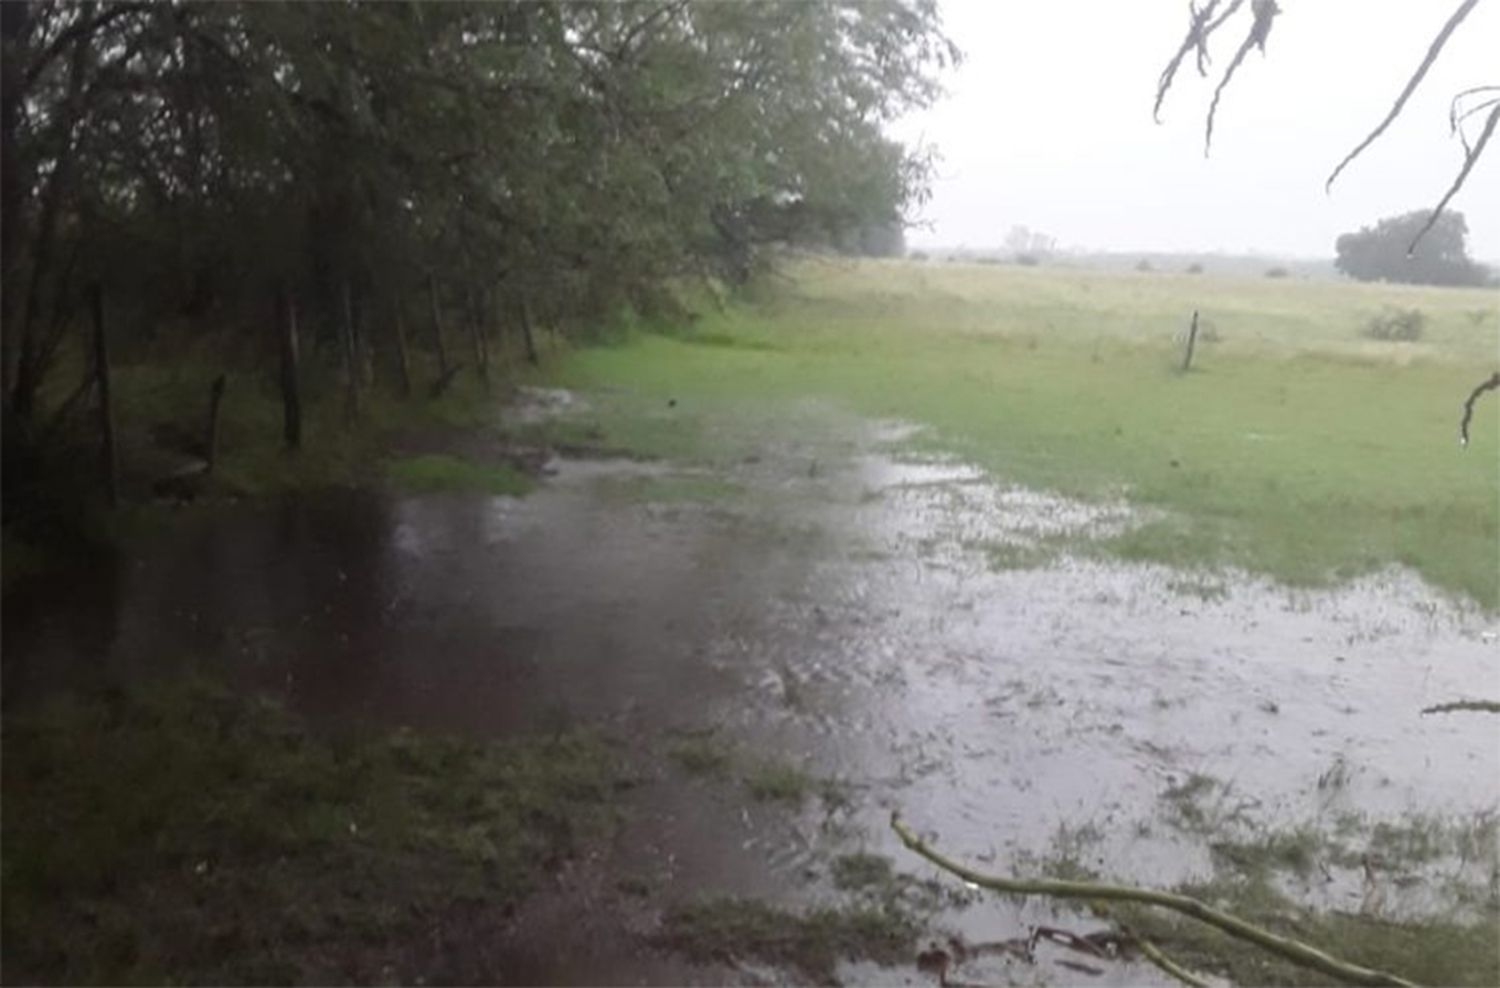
(1295, 448)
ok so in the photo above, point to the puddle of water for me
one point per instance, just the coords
(841, 619)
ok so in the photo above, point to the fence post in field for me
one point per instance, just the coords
(291, 397)
(106, 408)
(1187, 356)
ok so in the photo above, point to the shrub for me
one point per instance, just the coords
(918, 255)
(1195, 269)
(1028, 260)
(1277, 272)
(1144, 265)
(1392, 323)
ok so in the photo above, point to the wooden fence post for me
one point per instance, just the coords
(1187, 357)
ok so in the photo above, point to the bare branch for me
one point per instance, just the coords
(1489, 384)
(1457, 117)
(1463, 176)
(1265, 12)
(1199, 28)
(1411, 85)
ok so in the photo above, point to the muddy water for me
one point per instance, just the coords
(842, 613)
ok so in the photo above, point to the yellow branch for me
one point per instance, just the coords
(1293, 950)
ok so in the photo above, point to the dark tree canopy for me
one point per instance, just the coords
(1380, 252)
(572, 157)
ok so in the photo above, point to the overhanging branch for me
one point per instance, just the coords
(1411, 85)
(1490, 384)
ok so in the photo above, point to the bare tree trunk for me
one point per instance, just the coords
(13, 17)
(291, 397)
(211, 444)
(29, 357)
(106, 408)
(1187, 357)
(437, 327)
(476, 337)
(403, 360)
(531, 357)
(351, 358)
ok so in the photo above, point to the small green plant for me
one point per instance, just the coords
(1395, 324)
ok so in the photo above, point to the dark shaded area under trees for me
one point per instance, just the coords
(317, 183)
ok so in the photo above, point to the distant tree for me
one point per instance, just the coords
(886, 239)
(1143, 265)
(1277, 272)
(1379, 253)
(1195, 268)
(1024, 242)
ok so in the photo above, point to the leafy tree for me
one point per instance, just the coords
(1025, 242)
(1379, 252)
(562, 158)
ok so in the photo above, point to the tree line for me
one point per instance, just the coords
(349, 177)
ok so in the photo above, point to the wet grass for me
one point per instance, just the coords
(1435, 951)
(780, 782)
(809, 943)
(707, 756)
(1275, 455)
(436, 472)
(181, 833)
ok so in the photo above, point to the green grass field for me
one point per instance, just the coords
(1295, 447)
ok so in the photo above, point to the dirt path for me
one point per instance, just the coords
(790, 649)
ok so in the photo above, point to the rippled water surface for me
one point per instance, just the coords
(868, 618)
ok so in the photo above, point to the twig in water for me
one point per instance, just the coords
(1479, 706)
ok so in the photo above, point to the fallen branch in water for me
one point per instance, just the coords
(1153, 954)
(1293, 950)
(1481, 706)
(1489, 384)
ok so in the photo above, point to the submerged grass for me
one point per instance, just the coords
(181, 833)
(1296, 449)
(433, 472)
(1436, 951)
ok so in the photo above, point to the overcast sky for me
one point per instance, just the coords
(1048, 124)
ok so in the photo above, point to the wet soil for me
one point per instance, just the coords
(837, 606)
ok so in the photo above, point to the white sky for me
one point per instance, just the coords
(1048, 124)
